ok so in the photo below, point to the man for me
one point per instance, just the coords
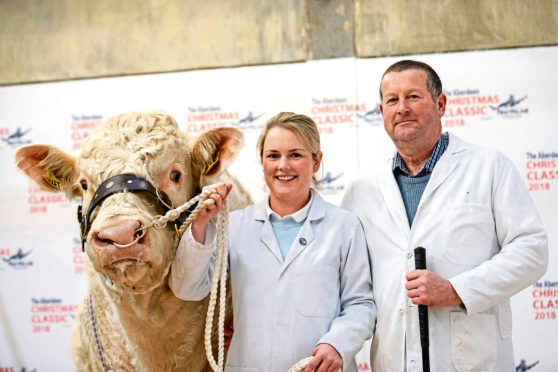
(469, 208)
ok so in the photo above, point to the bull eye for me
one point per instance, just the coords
(83, 184)
(175, 176)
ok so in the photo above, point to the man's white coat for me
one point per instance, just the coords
(481, 231)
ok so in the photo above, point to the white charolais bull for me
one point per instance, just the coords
(137, 321)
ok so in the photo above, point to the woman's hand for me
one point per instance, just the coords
(199, 224)
(326, 359)
(228, 333)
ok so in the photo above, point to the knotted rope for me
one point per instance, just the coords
(159, 222)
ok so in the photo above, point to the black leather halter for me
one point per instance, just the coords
(121, 183)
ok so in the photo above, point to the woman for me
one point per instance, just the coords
(299, 266)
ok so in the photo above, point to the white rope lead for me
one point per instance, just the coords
(218, 280)
(159, 222)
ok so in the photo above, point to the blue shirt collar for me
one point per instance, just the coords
(298, 216)
(441, 146)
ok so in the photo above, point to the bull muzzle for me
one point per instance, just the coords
(124, 183)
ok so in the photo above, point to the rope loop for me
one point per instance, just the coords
(157, 222)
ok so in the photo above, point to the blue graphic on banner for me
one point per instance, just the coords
(18, 138)
(373, 116)
(523, 366)
(509, 109)
(329, 184)
(247, 122)
(19, 260)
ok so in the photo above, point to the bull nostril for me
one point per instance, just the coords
(97, 240)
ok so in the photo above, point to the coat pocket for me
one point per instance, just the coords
(317, 288)
(470, 233)
(473, 341)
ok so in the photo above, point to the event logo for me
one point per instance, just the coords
(329, 184)
(204, 118)
(16, 139)
(249, 123)
(330, 113)
(19, 260)
(466, 104)
(372, 117)
(541, 170)
(545, 300)
(524, 366)
(80, 128)
(47, 313)
(510, 107)
(39, 200)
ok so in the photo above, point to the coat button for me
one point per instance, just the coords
(409, 255)
(302, 241)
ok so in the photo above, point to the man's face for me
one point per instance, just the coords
(410, 114)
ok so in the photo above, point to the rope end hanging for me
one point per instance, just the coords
(218, 282)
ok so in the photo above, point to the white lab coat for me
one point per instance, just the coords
(481, 231)
(320, 293)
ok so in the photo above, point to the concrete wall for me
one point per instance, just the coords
(68, 39)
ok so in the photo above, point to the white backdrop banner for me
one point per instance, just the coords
(505, 99)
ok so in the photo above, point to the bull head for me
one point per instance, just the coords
(149, 146)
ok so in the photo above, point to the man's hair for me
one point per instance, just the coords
(433, 82)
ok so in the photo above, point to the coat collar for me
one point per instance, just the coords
(317, 209)
(392, 195)
(444, 167)
(267, 236)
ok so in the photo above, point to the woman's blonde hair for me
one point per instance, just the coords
(301, 125)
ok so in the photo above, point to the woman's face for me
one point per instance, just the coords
(288, 168)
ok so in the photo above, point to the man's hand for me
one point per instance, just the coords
(326, 359)
(428, 288)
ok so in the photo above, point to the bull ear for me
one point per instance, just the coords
(51, 168)
(214, 150)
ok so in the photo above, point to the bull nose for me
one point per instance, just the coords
(122, 233)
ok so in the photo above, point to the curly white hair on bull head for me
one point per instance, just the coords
(130, 320)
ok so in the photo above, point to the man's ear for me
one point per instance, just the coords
(441, 104)
(49, 167)
(214, 150)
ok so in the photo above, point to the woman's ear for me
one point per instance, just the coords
(317, 161)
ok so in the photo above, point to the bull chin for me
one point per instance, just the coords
(131, 276)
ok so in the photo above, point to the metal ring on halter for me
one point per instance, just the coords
(162, 200)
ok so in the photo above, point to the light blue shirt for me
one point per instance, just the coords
(286, 228)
